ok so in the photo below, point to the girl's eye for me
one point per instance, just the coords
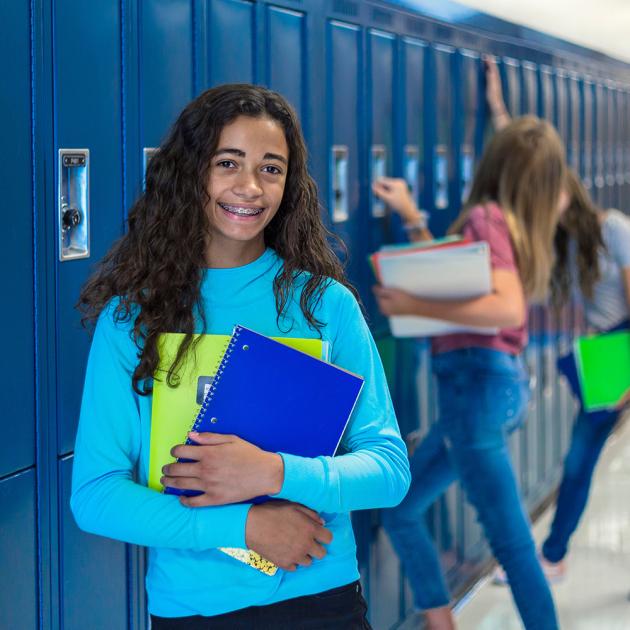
(226, 164)
(274, 170)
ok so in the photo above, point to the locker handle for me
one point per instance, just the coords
(339, 183)
(440, 171)
(73, 200)
(411, 169)
(466, 170)
(378, 169)
(147, 155)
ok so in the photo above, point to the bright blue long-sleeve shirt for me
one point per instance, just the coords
(187, 575)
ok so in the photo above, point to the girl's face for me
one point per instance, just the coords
(246, 182)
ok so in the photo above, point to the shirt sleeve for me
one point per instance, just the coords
(375, 470)
(619, 240)
(105, 498)
(485, 224)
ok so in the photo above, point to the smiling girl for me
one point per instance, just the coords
(229, 232)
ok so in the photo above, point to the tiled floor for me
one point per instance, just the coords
(595, 593)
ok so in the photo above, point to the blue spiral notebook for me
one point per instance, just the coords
(278, 398)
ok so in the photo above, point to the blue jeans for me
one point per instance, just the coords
(483, 397)
(589, 436)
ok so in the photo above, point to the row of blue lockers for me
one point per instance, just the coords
(380, 89)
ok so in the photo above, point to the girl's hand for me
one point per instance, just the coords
(227, 469)
(287, 534)
(395, 193)
(395, 301)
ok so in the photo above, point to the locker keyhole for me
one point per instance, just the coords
(70, 219)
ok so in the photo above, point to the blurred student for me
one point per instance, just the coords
(229, 231)
(514, 205)
(593, 258)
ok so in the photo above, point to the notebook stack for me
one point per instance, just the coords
(450, 268)
(277, 394)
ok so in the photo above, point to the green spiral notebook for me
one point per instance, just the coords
(603, 365)
(174, 409)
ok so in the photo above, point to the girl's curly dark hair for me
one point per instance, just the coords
(580, 222)
(156, 268)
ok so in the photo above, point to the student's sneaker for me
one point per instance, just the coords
(554, 572)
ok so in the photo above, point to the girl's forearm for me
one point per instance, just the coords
(494, 311)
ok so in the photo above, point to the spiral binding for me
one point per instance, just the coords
(229, 348)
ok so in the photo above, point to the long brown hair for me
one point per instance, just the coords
(523, 169)
(156, 268)
(581, 222)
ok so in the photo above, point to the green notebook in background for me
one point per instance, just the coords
(603, 365)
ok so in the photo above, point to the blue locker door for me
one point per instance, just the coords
(93, 589)
(413, 56)
(610, 136)
(599, 140)
(468, 120)
(18, 550)
(444, 204)
(286, 73)
(381, 55)
(562, 104)
(546, 102)
(618, 132)
(530, 88)
(17, 400)
(231, 42)
(165, 74)
(574, 152)
(380, 154)
(510, 76)
(345, 109)
(87, 112)
(588, 120)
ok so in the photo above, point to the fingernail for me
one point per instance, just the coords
(193, 433)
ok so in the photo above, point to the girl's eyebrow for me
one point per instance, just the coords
(239, 153)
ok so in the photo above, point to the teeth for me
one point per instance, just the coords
(240, 210)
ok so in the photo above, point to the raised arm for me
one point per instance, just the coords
(494, 95)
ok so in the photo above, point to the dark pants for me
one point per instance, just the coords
(340, 608)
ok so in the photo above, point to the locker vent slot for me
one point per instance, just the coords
(347, 7)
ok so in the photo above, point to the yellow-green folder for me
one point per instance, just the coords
(174, 409)
(603, 364)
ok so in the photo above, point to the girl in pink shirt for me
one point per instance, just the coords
(514, 205)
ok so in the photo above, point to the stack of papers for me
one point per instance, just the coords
(443, 269)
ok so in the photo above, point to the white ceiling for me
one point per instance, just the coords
(600, 24)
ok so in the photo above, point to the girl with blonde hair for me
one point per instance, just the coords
(514, 205)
